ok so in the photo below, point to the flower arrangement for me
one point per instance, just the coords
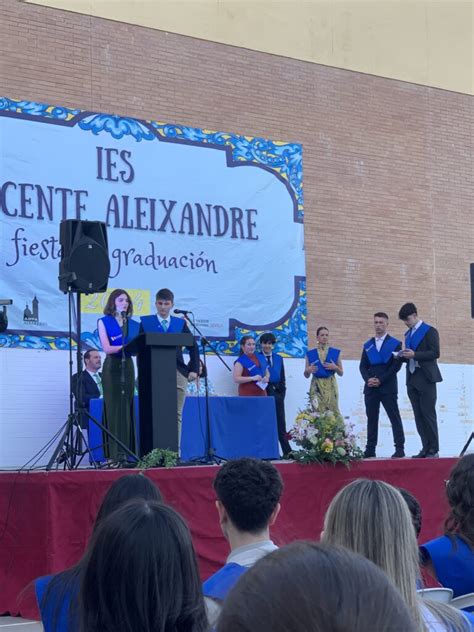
(323, 437)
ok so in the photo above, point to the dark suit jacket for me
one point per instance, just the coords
(426, 355)
(387, 373)
(89, 390)
(278, 388)
(193, 364)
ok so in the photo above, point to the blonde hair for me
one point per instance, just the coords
(373, 519)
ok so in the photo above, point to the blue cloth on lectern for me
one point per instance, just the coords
(219, 584)
(413, 340)
(313, 358)
(385, 354)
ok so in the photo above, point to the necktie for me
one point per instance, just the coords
(98, 382)
(269, 360)
(164, 324)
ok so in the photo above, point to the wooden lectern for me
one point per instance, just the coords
(157, 394)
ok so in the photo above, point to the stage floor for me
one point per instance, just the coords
(46, 517)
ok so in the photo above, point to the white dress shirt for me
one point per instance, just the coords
(379, 341)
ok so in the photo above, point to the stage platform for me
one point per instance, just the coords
(46, 517)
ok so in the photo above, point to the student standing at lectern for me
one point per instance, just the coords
(117, 328)
(163, 323)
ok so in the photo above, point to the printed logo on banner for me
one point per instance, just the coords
(95, 303)
(216, 217)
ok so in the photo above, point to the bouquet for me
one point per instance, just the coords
(323, 437)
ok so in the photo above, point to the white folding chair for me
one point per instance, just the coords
(443, 595)
(464, 601)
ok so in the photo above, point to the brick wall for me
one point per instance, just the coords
(387, 165)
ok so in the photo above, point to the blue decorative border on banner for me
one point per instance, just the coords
(282, 159)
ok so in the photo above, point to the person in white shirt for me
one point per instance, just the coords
(248, 502)
(379, 366)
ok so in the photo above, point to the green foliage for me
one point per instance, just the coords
(323, 437)
(158, 458)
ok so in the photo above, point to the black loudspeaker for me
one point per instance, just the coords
(85, 264)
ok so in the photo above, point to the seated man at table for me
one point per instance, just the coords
(162, 322)
(248, 502)
(90, 385)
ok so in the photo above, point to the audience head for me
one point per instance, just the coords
(140, 573)
(119, 301)
(247, 344)
(128, 487)
(373, 519)
(460, 493)
(92, 360)
(308, 586)
(248, 495)
(414, 509)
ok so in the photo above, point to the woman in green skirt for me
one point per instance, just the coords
(117, 328)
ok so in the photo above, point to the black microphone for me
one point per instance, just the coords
(123, 315)
(182, 311)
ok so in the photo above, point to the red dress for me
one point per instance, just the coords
(250, 388)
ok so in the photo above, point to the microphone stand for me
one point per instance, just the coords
(122, 378)
(210, 457)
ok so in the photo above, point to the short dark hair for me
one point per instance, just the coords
(267, 337)
(140, 566)
(249, 490)
(164, 295)
(309, 586)
(109, 308)
(319, 330)
(414, 507)
(381, 315)
(87, 354)
(407, 310)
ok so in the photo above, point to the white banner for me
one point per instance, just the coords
(215, 217)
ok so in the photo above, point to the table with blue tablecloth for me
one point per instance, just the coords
(240, 426)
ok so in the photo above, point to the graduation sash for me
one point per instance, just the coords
(114, 331)
(219, 584)
(313, 358)
(385, 354)
(275, 368)
(413, 340)
(152, 324)
(251, 367)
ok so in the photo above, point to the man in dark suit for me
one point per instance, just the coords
(90, 385)
(379, 367)
(276, 386)
(421, 353)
